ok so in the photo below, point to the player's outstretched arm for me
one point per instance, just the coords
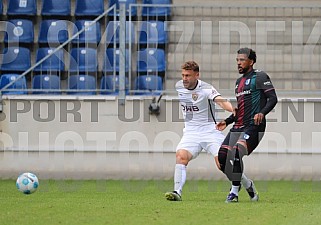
(223, 103)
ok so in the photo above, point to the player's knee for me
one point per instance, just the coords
(222, 156)
(241, 149)
(183, 157)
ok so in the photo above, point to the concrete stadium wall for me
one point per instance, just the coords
(65, 137)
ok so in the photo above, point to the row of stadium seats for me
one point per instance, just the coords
(79, 85)
(82, 7)
(81, 60)
(56, 32)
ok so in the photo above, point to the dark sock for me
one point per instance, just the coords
(237, 169)
(236, 183)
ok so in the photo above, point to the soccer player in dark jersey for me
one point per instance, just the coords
(255, 97)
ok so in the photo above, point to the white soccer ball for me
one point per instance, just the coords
(27, 183)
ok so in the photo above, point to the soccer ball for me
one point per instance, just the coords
(27, 183)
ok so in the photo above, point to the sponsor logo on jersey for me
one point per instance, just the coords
(194, 96)
(246, 136)
(190, 108)
(267, 83)
(247, 81)
(243, 93)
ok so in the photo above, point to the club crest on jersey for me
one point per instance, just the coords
(194, 96)
(247, 81)
(246, 136)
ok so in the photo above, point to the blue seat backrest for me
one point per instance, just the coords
(151, 60)
(83, 60)
(156, 11)
(112, 32)
(47, 84)
(111, 61)
(82, 82)
(89, 7)
(56, 8)
(149, 84)
(129, 8)
(111, 84)
(54, 63)
(1, 7)
(22, 8)
(16, 59)
(19, 31)
(53, 31)
(91, 34)
(153, 32)
(17, 88)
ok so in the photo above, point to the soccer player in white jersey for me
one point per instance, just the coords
(199, 132)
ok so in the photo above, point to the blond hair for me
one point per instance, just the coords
(191, 65)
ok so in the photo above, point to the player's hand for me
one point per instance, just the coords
(258, 118)
(221, 125)
(235, 111)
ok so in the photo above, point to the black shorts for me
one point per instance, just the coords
(252, 135)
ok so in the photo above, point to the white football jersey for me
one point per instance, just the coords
(195, 106)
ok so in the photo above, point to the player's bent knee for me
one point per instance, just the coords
(183, 157)
(222, 156)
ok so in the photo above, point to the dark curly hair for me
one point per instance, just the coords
(251, 54)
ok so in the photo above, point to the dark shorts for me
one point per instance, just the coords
(252, 135)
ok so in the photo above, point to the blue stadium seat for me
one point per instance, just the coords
(128, 2)
(112, 32)
(22, 8)
(111, 60)
(19, 31)
(46, 84)
(151, 60)
(86, 83)
(149, 85)
(153, 32)
(53, 65)
(56, 8)
(109, 85)
(83, 60)
(156, 11)
(89, 8)
(16, 59)
(19, 87)
(1, 7)
(53, 32)
(91, 35)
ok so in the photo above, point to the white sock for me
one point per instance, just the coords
(245, 181)
(235, 190)
(179, 178)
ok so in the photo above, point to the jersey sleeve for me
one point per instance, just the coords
(179, 85)
(212, 93)
(264, 82)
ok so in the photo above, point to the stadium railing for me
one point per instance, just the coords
(79, 64)
(287, 48)
(55, 50)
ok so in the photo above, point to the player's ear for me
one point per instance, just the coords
(252, 62)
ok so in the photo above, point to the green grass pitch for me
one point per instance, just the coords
(143, 202)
